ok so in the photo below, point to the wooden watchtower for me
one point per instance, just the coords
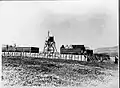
(50, 46)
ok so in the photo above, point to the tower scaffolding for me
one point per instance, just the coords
(49, 47)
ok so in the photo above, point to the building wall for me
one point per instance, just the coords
(75, 49)
(21, 49)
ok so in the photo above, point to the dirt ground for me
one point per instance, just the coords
(43, 72)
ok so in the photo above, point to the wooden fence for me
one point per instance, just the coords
(45, 55)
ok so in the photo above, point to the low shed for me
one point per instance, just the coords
(21, 49)
(27, 49)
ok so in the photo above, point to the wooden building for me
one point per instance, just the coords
(20, 49)
(73, 49)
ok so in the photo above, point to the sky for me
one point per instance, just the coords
(93, 23)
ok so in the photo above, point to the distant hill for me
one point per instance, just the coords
(112, 51)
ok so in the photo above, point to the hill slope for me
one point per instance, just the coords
(112, 51)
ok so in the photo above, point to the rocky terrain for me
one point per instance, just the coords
(43, 72)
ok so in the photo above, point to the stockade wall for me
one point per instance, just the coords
(45, 55)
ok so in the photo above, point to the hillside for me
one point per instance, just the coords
(56, 73)
(112, 51)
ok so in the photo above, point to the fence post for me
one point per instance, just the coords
(77, 57)
(12, 54)
(8, 54)
(21, 55)
(68, 56)
(71, 56)
(81, 57)
(74, 57)
(65, 56)
(37, 55)
(60, 56)
(30, 54)
(4, 54)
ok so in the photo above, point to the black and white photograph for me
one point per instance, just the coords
(59, 44)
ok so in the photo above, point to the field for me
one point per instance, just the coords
(44, 72)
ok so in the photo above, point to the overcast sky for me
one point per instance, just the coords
(89, 22)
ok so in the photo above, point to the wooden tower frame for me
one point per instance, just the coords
(50, 46)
